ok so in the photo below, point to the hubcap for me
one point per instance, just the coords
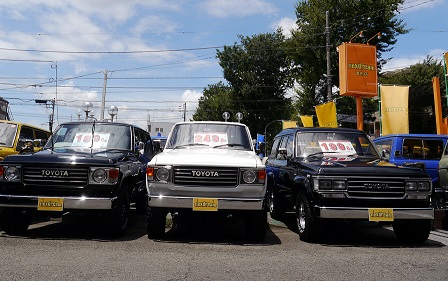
(301, 223)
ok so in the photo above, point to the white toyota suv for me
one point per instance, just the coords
(207, 166)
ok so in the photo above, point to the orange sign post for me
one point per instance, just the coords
(358, 74)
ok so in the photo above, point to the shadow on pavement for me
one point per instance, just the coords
(81, 228)
(339, 233)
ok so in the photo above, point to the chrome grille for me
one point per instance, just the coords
(75, 176)
(205, 176)
(376, 187)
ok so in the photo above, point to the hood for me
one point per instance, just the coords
(65, 157)
(208, 156)
(362, 166)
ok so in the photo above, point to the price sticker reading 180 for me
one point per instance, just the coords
(85, 140)
(211, 139)
(343, 147)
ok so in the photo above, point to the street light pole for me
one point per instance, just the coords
(265, 134)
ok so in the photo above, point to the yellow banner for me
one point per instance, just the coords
(289, 124)
(446, 58)
(394, 109)
(307, 121)
(326, 115)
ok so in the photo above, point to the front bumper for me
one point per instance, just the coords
(73, 203)
(363, 213)
(223, 203)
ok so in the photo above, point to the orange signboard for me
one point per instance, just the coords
(358, 75)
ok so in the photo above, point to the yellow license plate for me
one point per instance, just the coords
(205, 204)
(381, 214)
(50, 204)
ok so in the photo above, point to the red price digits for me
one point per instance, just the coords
(341, 146)
(215, 138)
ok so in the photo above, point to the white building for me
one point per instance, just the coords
(164, 128)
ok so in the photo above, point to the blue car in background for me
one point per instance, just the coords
(424, 150)
(159, 142)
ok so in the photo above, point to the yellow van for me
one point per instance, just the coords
(18, 138)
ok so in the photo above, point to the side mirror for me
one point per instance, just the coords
(25, 146)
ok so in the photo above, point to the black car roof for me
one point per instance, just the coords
(317, 129)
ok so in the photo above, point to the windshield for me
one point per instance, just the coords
(209, 135)
(334, 144)
(7, 134)
(92, 136)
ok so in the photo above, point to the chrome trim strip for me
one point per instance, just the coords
(223, 203)
(363, 213)
(87, 203)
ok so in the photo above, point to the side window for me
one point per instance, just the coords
(26, 133)
(384, 147)
(433, 149)
(41, 135)
(274, 148)
(290, 147)
(282, 156)
(413, 149)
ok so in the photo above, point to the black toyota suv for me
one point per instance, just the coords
(85, 168)
(336, 174)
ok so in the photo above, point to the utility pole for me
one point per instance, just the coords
(103, 100)
(327, 33)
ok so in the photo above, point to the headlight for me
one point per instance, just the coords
(99, 175)
(330, 185)
(339, 185)
(162, 174)
(411, 186)
(11, 173)
(104, 175)
(324, 185)
(249, 176)
(424, 186)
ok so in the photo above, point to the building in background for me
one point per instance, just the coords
(4, 109)
(159, 128)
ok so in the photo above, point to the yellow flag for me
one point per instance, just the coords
(289, 124)
(446, 58)
(394, 109)
(326, 115)
(307, 120)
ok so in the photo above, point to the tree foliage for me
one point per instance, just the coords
(421, 96)
(216, 99)
(258, 73)
(308, 42)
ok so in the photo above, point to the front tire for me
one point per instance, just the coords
(275, 209)
(308, 225)
(412, 231)
(119, 218)
(14, 221)
(155, 222)
(255, 225)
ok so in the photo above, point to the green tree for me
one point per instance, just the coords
(307, 44)
(215, 101)
(421, 96)
(259, 72)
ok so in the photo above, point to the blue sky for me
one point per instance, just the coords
(158, 54)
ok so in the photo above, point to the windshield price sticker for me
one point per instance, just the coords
(211, 139)
(343, 147)
(100, 140)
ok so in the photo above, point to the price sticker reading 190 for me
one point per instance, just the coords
(85, 139)
(211, 139)
(343, 147)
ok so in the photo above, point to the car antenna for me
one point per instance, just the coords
(93, 134)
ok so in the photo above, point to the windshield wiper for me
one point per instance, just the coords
(190, 144)
(112, 150)
(230, 145)
(319, 154)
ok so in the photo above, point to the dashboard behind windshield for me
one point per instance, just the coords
(209, 135)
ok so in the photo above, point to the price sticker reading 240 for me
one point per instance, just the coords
(211, 139)
(85, 140)
(343, 147)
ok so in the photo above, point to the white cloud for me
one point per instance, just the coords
(404, 62)
(188, 96)
(287, 24)
(154, 24)
(227, 8)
